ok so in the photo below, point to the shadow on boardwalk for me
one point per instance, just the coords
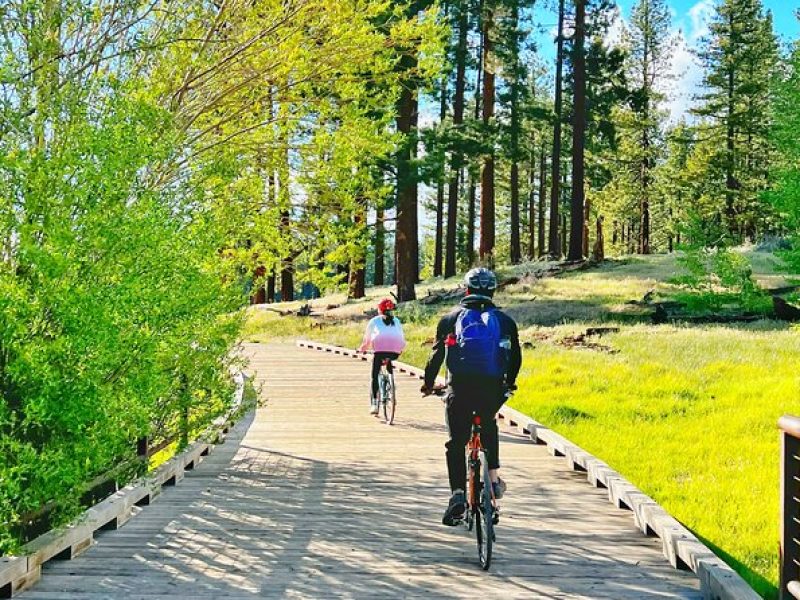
(306, 504)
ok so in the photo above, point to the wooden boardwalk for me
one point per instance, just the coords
(312, 497)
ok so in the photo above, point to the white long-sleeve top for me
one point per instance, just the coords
(383, 337)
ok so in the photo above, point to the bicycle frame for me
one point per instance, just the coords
(474, 447)
(386, 380)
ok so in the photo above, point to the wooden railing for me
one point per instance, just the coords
(790, 507)
(37, 522)
(111, 506)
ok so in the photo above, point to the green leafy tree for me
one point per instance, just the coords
(785, 196)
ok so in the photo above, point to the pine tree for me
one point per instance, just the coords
(487, 212)
(648, 65)
(578, 132)
(739, 56)
(461, 8)
(554, 249)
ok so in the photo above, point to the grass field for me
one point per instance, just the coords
(686, 413)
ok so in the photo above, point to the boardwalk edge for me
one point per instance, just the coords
(18, 573)
(683, 550)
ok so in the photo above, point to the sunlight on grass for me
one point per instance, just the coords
(688, 414)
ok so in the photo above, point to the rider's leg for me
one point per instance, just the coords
(491, 400)
(376, 369)
(458, 427)
(457, 415)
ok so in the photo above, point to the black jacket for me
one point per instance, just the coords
(447, 325)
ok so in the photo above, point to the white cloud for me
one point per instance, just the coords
(686, 71)
(700, 15)
(613, 36)
(687, 76)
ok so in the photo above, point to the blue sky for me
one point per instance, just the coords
(690, 20)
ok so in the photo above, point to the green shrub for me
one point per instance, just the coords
(719, 278)
(115, 314)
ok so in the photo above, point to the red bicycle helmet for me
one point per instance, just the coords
(386, 305)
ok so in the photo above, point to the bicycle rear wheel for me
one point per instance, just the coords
(472, 495)
(389, 400)
(485, 517)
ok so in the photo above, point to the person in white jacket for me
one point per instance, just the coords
(384, 335)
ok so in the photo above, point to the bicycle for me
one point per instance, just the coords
(481, 514)
(387, 397)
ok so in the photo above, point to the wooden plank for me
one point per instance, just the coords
(12, 570)
(681, 547)
(313, 497)
(22, 583)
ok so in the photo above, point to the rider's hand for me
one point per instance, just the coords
(425, 390)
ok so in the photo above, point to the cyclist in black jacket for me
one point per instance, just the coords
(482, 369)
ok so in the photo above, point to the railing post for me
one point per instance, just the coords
(142, 445)
(185, 426)
(184, 415)
(790, 505)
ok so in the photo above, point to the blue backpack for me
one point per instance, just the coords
(477, 349)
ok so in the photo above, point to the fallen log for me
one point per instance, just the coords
(663, 315)
(303, 311)
(785, 311)
(600, 331)
(436, 296)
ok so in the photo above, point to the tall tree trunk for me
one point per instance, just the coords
(271, 286)
(287, 267)
(585, 235)
(515, 250)
(439, 238)
(542, 194)
(438, 241)
(532, 204)
(358, 274)
(457, 158)
(730, 132)
(471, 209)
(578, 132)
(555, 162)
(358, 283)
(260, 295)
(406, 242)
(599, 251)
(644, 233)
(487, 172)
(415, 188)
(285, 201)
(380, 248)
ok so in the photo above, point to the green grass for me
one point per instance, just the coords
(688, 414)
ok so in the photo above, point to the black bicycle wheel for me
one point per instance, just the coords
(485, 518)
(389, 400)
(469, 517)
(475, 511)
(381, 390)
